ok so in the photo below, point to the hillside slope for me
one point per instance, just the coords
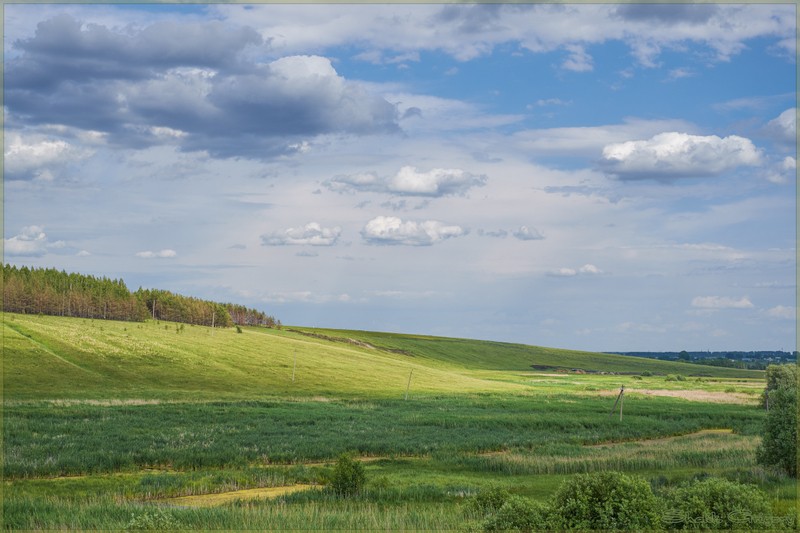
(46, 357)
(490, 355)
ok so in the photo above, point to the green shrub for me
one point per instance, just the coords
(671, 377)
(716, 503)
(348, 477)
(779, 444)
(156, 519)
(488, 501)
(519, 514)
(605, 500)
(680, 377)
(779, 376)
(647, 373)
(238, 329)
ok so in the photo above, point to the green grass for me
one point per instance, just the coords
(136, 413)
(488, 355)
(54, 358)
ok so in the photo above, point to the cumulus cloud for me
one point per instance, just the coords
(31, 242)
(33, 157)
(164, 82)
(675, 155)
(394, 231)
(162, 254)
(312, 234)
(784, 171)
(784, 126)
(410, 181)
(721, 302)
(524, 233)
(566, 272)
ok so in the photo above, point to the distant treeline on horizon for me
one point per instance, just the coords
(52, 292)
(753, 360)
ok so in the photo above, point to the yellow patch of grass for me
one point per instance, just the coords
(211, 500)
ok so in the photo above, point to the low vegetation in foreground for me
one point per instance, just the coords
(125, 426)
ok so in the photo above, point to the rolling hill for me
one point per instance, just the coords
(48, 357)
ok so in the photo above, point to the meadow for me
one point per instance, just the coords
(106, 423)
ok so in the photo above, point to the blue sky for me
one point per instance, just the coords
(600, 177)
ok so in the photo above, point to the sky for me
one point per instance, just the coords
(605, 177)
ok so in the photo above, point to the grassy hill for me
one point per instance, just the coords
(489, 355)
(47, 357)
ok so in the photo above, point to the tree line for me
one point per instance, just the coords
(49, 291)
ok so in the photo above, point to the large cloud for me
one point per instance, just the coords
(409, 181)
(392, 230)
(191, 79)
(469, 31)
(675, 155)
(312, 234)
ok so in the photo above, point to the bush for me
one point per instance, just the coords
(716, 503)
(779, 376)
(348, 477)
(519, 514)
(605, 500)
(156, 519)
(488, 502)
(647, 373)
(779, 445)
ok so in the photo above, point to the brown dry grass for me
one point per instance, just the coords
(210, 500)
(691, 395)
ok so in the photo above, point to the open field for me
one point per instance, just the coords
(108, 424)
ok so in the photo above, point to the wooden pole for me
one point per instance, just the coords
(409, 382)
(619, 397)
(621, 400)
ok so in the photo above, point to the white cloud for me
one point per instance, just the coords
(721, 302)
(673, 155)
(566, 272)
(590, 140)
(578, 60)
(31, 157)
(392, 230)
(524, 233)
(469, 31)
(312, 234)
(31, 241)
(84, 253)
(409, 181)
(784, 126)
(783, 172)
(163, 254)
(783, 311)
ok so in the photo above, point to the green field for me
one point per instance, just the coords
(105, 421)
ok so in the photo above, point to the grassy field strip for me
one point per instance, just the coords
(659, 440)
(211, 500)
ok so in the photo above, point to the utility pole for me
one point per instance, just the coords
(619, 400)
(409, 382)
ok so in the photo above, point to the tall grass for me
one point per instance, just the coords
(42, 439)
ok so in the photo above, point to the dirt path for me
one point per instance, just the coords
(211, 500)
(692, 395)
